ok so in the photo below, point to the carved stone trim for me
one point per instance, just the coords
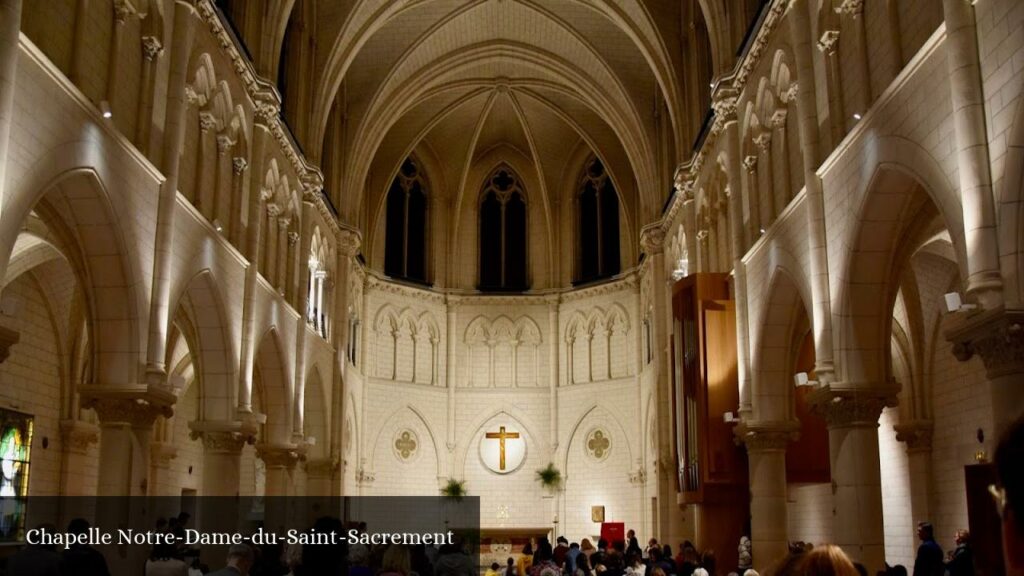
(851, 8)
(161, 453)
(365, 477)
(151, 47)
(221, 442)
(778, 118)
(279, 455)
(917, 435)
(78, 435)
(652, 239)
(851, 408)
(239, 165)
(750, 163)
(136, 412)
(996, 335)
(767, 436)
(763, 141)
(638, 477)
(829, 42)
(349, 241)
(207, 121)
(8, 338)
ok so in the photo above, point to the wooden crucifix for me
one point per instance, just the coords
(501, 436)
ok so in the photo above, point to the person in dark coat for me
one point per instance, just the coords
(82, 559)
(929, 554)
(961, 559)
(36, 559)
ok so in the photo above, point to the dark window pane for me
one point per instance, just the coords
(417, 235)
(588, 233)
(515, 243)
(394, 233)
(490, 243)
(609, 230)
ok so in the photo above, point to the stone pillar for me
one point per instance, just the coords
(806, 108)
(766, 197)
(753, 227)
(76, 437)
(778, 126)
(10, 26)
(553, 328)
(159, 310)
(222, 457)
(918, 437)
(270, 247)
(234, 223)
(152, 47)
(854, 9)
(78, 50)
(126, 426)
(828, 44)
(160, 456)
(451, 338)
(766, 454)
(852, 417)
(984, 280)
(997, 335)
(280, 461)
(122, 10)
(202, 197)
(215, 213)
(290, 287)
(283, 223)
(319, 475)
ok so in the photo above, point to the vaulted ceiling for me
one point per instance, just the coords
(458, 80)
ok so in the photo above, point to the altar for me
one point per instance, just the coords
(500, 544)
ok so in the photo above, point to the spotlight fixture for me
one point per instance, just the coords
(955, 304)
(729, 418)
(857, 116)
(800, 379)
(762, 230)
(105, 109)
(217, 226)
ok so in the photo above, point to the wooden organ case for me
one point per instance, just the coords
(712, 467)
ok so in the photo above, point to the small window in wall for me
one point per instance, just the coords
(597, 224)
(15, 455)
(503, 244)
(405, 242)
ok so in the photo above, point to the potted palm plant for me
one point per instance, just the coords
(550, 478)
(454, 489)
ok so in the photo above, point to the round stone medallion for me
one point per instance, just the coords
(598, 444)
(406, 445)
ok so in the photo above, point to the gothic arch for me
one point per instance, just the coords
(417, 415)
(773, 361)
(275, 385)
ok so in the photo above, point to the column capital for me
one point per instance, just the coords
(268, 107)
(789, 94)
(829, 42)
(767, 436)
(725, 107)
(763, 140)
(221, 442)
(916, 434)
(207, 121)
(279, 455)
(850, 8)
(652, 238)
(161, 453)
(151, 47)
(273, 210)
(322, 467)
(349, 241)
(239, 165)
(137, 412)
(283, 222)
(293, 238)
(8, 338)
(78, 435)
(683, 182)
(851, 407)
(750, 163)
(224, 143)
(997, 335)
(122, 10)
(778, 118)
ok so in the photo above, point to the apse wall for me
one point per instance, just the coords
(439, 371)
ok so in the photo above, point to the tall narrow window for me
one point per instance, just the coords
(503, 244)
(15, 447)
(405, 245)
(598, 224)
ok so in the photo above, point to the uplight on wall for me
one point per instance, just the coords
(105, 109)
(857, 116)
(682, 269)
(955, 304)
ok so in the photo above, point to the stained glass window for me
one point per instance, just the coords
(15, 452)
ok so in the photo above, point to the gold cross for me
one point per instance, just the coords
(501, 435)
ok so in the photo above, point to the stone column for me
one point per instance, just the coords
(10, 26)
(222, 458)
(283, 223)
(753, 227)
(214, 212)
(997, 335)
(122, 10)
(126, 426)
(854, 9)
(451, 338)
(766, 454)
(777, 122)
(725, 108)
(280, 461)
(159, 310)
(201, 195)
(852, 417)
(270, 252)
(160, 456)
(763, 141)
(319, 475)
(78, 49)
(984, 280)
(918, 437)
(828, 44)
(76, 436)
(806, 108)
(238, 167)
(290, 279)
(152, 47)
(553, 328)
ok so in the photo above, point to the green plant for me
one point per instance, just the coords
(550, 477)
(454, 489)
